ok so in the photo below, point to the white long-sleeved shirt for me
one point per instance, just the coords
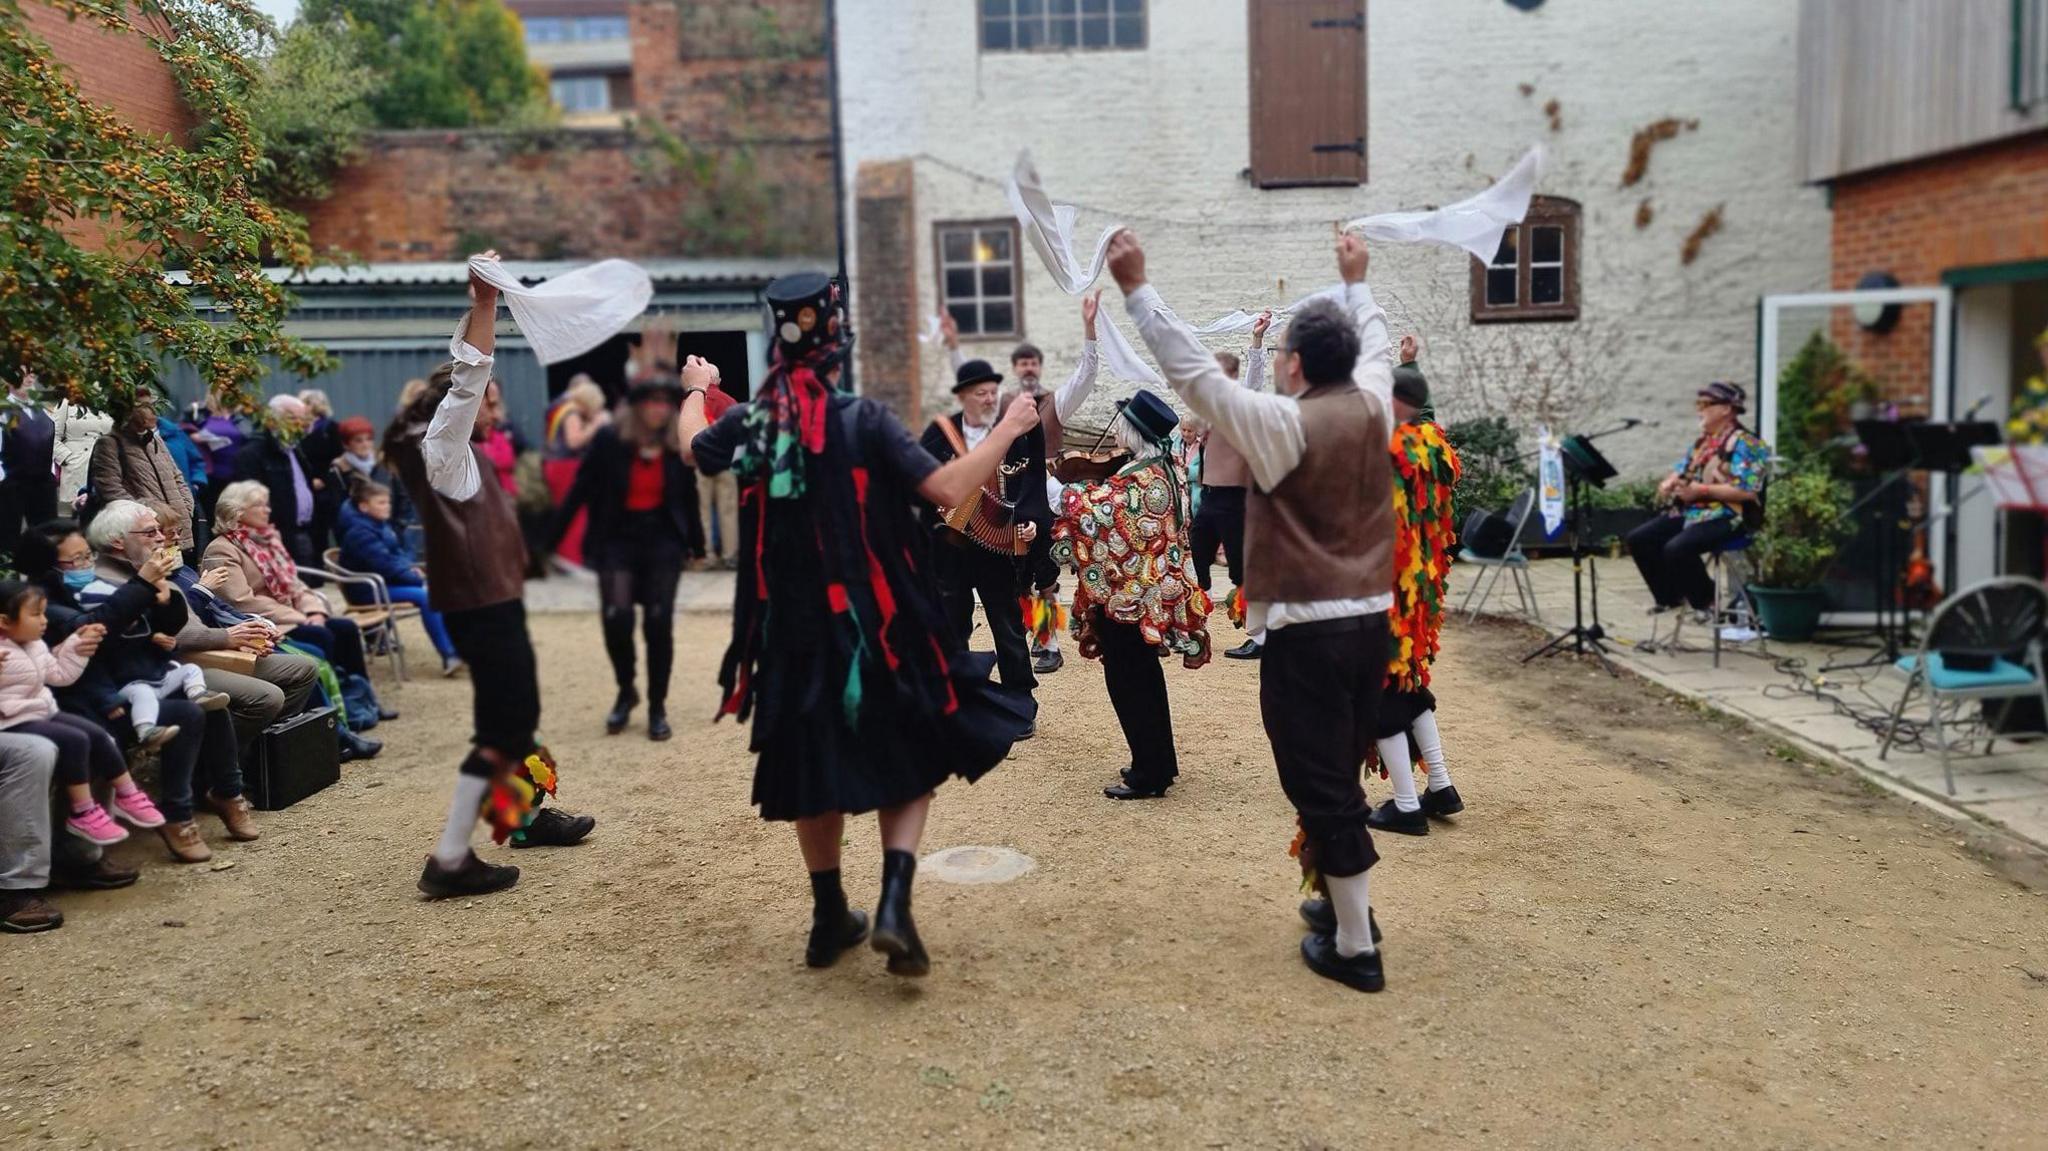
(1265, 427)
(451, 465)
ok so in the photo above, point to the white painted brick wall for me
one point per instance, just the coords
(1162, 136)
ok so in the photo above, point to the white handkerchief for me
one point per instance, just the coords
(1050, 228)
(1119, 356)
(568, 315)
(1474, 224)
(932, 329)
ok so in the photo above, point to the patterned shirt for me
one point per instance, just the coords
(1733, 457)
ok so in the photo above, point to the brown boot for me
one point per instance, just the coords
(237, 814)
(24, 912)
(184, 841)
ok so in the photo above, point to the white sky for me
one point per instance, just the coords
(281, 11)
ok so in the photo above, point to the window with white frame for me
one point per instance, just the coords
(562, 29)
(978, 283)
(581, 93)
(1060, 25)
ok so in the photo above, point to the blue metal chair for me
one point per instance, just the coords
(1998, 626)
(1511, 561)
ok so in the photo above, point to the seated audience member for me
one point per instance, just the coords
(27, 764)
(370, 544)
(358, 462)
(127, 588)
(85, 752)
(281, 682)
(1713, 492)
(262, 579)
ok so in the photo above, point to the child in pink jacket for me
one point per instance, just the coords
(84, 749)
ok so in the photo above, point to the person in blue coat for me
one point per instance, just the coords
(371, 545)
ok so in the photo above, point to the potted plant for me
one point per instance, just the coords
(1802, 531)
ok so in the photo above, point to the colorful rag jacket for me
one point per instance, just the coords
(1126, 538)
(1426, 472)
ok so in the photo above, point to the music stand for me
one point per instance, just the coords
(1584, 467)
(1891, 447)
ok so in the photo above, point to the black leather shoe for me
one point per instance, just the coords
(1137, 789)
(1387, 817)
(1360, 972)
(553, 827)
(471, 877)
(830, 937)
(349, 746)
(1321, 918)
(658, 729)
(1442, 802)
(99, 875)
(895, 933)
(1249, 649)
(1049, 661)
(622, 710)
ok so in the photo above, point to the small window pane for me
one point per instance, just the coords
(1095, 32)
(998, 241)
(1130, 31)
(1063, 31)
(1505, 256)
(965, 317)
(995, 8)
(1095, 7)
(1062, 7)
(959, 283)
(958, 247)
(1030, 9)
(1500, 287)
(1130, 7)
(1030, 36)
(995, 34)
(1546, 285)
(998, 317)
(1546, 245)
(995, 280)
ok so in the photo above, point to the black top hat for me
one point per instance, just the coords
(1152, 416)
(803, 312)
(1410, 388)
(974, 372)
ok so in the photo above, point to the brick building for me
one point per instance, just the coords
(1927, 123)
(117, 71)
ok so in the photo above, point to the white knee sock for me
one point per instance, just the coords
(1431, 742)
(1353, 905)
(1400, 772)
(1258, 637)
(462, 813)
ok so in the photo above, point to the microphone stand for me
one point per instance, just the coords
(1583, 639)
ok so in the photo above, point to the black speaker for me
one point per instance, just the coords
(295, 758)
(1487, 534)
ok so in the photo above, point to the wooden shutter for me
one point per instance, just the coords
(1308, 92)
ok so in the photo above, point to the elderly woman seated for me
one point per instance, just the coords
(262, 579)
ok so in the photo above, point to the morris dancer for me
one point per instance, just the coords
(478, 558)
(1043, 616)
(862, 697)
(1220, 520)
(1127, 540)
(1319, 563)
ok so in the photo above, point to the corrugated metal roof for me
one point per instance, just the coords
(662, 271)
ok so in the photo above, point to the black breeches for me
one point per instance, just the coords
(1219, 523)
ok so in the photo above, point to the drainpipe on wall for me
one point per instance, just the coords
(846, 379)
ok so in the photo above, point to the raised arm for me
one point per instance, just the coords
(698, 375)
(1255, 356)
(1076, 390)
(1265, 428)
(1375, 370)
(451, 465)
(950, 333)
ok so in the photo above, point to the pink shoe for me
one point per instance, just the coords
(135, 810)
(94, 826)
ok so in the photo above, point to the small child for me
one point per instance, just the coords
(28, 668)
(143, 696)
(370, 544)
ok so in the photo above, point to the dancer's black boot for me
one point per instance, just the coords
(895, 934)
(622, 710)
(834, 926)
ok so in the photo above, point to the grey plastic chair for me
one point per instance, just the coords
(1511, 561)
(2003, 619)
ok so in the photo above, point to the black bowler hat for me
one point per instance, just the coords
(1410, 388)
(1152, 416)
(974, 372)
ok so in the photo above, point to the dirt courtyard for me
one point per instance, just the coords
(1646, 930)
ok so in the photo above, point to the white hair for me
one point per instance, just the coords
(288, 405)
(1130, 439)
(236, 498)
(114, 523)
(316, 401)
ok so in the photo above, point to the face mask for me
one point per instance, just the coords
(77, 581)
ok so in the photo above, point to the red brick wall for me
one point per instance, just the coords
(885, 204)
(441, 195)
(119, 71)
(1987, 205)
(742, 93)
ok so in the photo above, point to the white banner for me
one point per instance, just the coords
(1550, 481)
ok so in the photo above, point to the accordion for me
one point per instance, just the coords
(984, 520)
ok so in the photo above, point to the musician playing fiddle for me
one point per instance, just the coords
(1714, 493)
(1044, 617)
(984, 547)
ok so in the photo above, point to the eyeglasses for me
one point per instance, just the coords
(1703, 405)
(155, 532)
(78, 564)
